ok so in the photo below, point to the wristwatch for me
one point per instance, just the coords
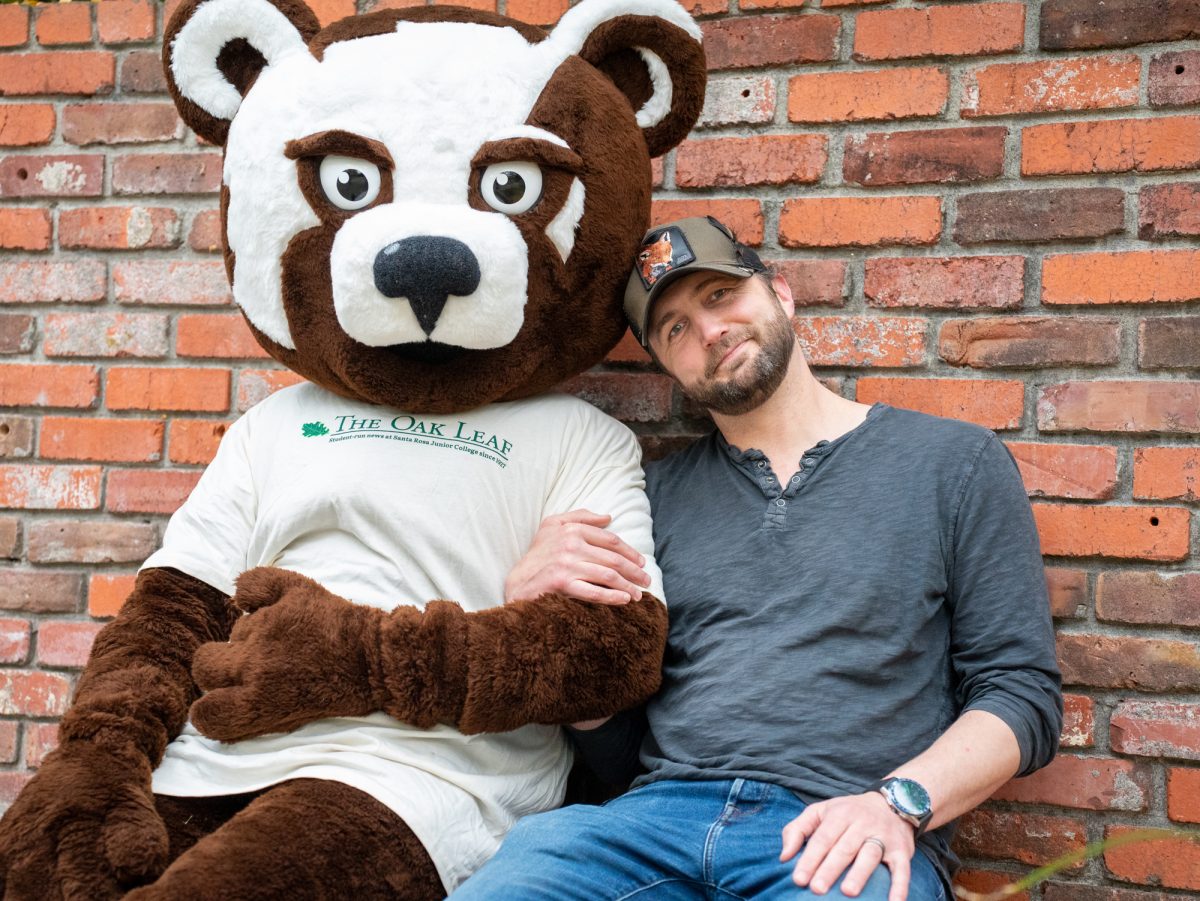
(908, 799)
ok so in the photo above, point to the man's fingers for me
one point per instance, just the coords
(627, 569)
(869, 856)
(815, 850)
(839, 857)
(602, 538)
(900, 865)
(797, 831)
(586, 517)
(595, 594)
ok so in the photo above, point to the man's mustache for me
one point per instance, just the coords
(723, 347)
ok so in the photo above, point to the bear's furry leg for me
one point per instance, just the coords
(307, 838)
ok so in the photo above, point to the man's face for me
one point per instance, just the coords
(726, 340)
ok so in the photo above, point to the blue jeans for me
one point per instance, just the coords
(669, 840)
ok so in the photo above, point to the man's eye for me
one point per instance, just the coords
(675, 330)
(719, 293)
(349, 183)
(511, 188)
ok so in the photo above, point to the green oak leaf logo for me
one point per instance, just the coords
(314, 429)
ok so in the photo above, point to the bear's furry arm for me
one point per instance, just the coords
(551, 660)
(137, 686)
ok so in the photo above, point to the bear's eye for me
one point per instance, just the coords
(511, 188)
(349, 183)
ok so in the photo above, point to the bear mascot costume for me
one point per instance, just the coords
(316, 688)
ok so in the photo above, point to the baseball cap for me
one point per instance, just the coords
(671, 251)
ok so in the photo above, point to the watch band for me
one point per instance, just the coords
(919, 820)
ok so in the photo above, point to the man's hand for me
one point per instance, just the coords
(843, 831)
(573, 555)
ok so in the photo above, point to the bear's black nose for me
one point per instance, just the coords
(426, 270)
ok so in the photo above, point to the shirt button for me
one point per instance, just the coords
(761, 464)
(795, 479)
(780, 502)
(808, 461)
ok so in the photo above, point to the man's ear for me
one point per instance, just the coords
(651, 51)
(213, 50)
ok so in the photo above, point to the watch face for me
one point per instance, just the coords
(909, 796)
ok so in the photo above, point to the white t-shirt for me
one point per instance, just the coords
(386, 508)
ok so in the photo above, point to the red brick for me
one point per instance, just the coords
(77, 175)
(742, 42)
(1132, 533)
(81, 281)
(867, 341)
(168, 389)
(171, 282)
(815, 282)
(1031, 839)
(1067, 588)
(64, 23)
(1005, 89)
(991, 403)
(120, 123)
(1084, 24)
(960, 30)
(90, 541)
(10, 537)
(770, 4)
(1183, 795)
(16, 333)
(142, 73)
(1156, 729)
(987, 882)
(1075, 471)
(123, 21)
(40, 739)
(14, 640)
(196, 440)
(743, 217)
(107, 593)
(149, 490)
(257, 384)
(39, 591)
(1051, 215)
(205, 235)
(1120, 406)
(628, 396)
(44, 385)
(64, 72)
(738, 100)
(537, 12)
(1090, 783)
(9, 740)
(1114, 145)
(1079, 721)
(25, 693)
(1168, 474)
(1142, 664)
(628, 350)
(1077, 891)
(993, 282)
(105, 335)
(917, 157)
(31, 487)
(1175, 78)
(1169, 211)
(1146, 597)
(764, 160)
(1030, 341)
(167, 173)
(859, 221)
(1172, 861)
(485, 5)
(23, 228)
(16, 436)
(25, 124)
(110, 440)
(860, 96)
(65, 644)
(216, 335)
(14, 25)
(837, 3)
(119, 227)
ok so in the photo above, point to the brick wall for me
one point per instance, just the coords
(987, 210)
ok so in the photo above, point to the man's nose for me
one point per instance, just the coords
(710, 327)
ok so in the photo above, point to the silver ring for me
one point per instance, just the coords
(875, 841)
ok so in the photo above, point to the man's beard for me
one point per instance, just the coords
(754, 382)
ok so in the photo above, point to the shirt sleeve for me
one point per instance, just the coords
(209, 535)
(1002, 638)
(603, 473)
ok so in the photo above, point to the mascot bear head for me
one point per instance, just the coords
(434, 208)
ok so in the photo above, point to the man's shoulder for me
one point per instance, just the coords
(936, 434)
(679, 466)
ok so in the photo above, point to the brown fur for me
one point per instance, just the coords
(305, 654)
(307, 838)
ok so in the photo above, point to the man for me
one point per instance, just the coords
(860, 647)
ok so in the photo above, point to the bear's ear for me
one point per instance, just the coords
(214, 49)
(651, 51)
